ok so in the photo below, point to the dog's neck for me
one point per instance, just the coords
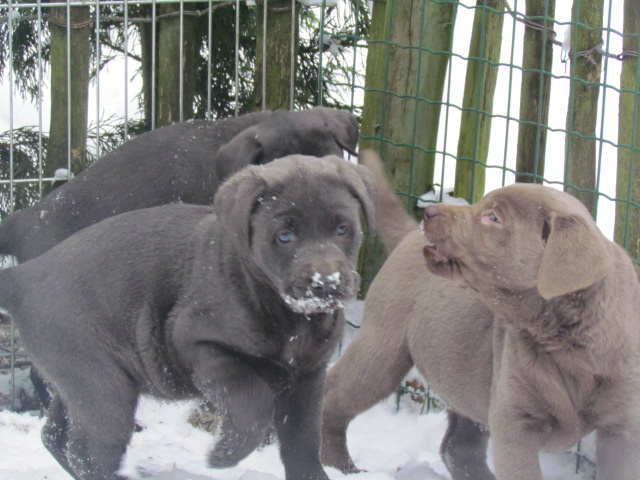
(557, 324)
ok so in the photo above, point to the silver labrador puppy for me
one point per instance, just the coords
(184, 162)
(537, 337)
(239, 304)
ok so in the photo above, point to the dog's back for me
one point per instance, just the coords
(184, 162)
(146, 171)
(156, 242)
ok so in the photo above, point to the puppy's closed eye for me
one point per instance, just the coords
(490, 217)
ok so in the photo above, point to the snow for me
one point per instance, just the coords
(433, 196)
(388, 443)
(63, 174)
(312, 304)
(332, 280)
(392, 441)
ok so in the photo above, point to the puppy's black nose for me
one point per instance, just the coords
(325, 285)
(431, 211)
(320, 289)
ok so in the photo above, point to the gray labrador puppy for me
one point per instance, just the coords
(239, 305)
(537, 337)
(184, 162)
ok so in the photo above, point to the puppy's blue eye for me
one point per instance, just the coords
(342, 230)
(286, 236)
(494, 218)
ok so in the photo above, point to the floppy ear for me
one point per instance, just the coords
(361, 184)
(235, 202)
(574, 258)
(343, 126)
(242, 150)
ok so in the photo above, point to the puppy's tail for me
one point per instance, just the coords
(393, 222)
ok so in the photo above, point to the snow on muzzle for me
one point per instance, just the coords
(322, 293)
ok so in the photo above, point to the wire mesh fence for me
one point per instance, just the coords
(457, 96)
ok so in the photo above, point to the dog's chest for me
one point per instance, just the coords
(563, 391)
(570, 424)
(309, 342)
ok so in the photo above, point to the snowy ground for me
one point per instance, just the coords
(388, 442)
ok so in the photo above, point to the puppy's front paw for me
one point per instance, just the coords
(220, 458)
(233, 446)
(308, 474)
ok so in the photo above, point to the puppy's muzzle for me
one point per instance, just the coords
(321, 288)
(430, 249)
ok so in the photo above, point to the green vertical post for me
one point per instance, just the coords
(279, 43)
(414, 82)
(374, 78)
(627, 224)
(145, 30)
(580, 148)
(68, 81)
(477, 103)
(535, 91)
(406, 68)
(169, 68)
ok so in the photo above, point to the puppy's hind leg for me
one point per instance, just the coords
(100, 424)
(55, 433)
(370, 370)
(464, 449)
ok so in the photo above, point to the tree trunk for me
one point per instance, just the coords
(627, 227)
(60, 137)
(535, 92)
(477, 103)
(374, 79)
(372, 251)
(279, 43)
(169, 68)
(580, 152)
(414, 81)
(146, 53)
(403, 97)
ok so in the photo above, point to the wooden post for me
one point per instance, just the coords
(535, 91)
(169, 68)
(627, 226)
(279, 42)
(58, 145)
(146, 53)
(372, 251)
(580, 150)
(406, 68)
(477, 103)
(374, 78)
